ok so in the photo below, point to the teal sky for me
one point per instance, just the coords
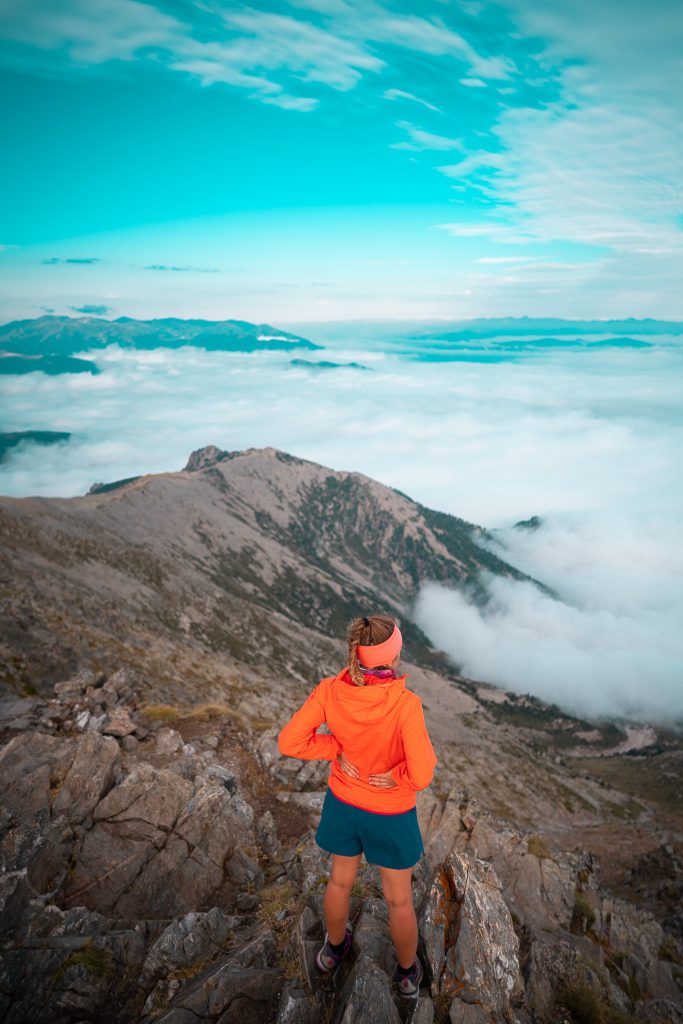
(332, 159)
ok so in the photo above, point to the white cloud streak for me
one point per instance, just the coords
(271, 55)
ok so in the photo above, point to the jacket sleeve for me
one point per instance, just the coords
(300, 738)
(417, 769)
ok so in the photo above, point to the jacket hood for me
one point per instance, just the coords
(367, 704)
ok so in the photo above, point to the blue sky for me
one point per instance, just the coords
(332, 159)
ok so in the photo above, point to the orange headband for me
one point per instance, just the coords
(372, 655)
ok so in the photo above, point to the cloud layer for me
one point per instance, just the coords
(590, 440)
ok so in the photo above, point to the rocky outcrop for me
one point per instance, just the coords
(145, 878)
(470, 944)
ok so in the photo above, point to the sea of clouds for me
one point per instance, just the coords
(590, 441)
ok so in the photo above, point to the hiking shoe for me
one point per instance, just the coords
(326, 959)
(409, 984)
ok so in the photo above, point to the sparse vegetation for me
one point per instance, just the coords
(208, 712)
(161, 712)
(190, 970)
(537, 845)
(97, 962)
(668, 950)
(583, 1003)
(274, 900)
(584, 916)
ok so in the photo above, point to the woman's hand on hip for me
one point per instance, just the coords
(346, 766)
(383, 780)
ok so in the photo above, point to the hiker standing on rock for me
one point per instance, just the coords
(381, 756)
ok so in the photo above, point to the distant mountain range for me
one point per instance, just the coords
(55, 338)
(10, 440)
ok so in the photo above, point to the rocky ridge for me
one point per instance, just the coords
(164, 869)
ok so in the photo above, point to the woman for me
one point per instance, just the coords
(381, 756)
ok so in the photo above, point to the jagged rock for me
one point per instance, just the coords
(233, 995)
(89, 777)
(307, 865)
(161, 995)
(118, 723)
(470, 943)
(306, 940)
(297, 1007)
(371, 934)
(77, 685)
(540, 890)
(467, 1013)
(660, 1011)
(244, 870)
(26, 764)
(203, 458)
(366, 996)
(258, 951)
(14, 708)
(267, 836)
(552, 966)
(192, 938)
(168, 742)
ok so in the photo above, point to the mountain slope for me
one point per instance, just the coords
(237, 554)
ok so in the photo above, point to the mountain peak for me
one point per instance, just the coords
(204, 457)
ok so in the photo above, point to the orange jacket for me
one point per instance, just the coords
(379, 726)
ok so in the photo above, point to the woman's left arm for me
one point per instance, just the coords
(300, 737)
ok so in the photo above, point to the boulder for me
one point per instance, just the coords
(118, 723)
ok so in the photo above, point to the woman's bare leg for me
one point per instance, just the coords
(398, 892)
(337, 895)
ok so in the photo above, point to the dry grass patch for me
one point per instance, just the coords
(538, 846)
(161, 712)
(208, 712)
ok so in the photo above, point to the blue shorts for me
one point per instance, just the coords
(388, 840)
